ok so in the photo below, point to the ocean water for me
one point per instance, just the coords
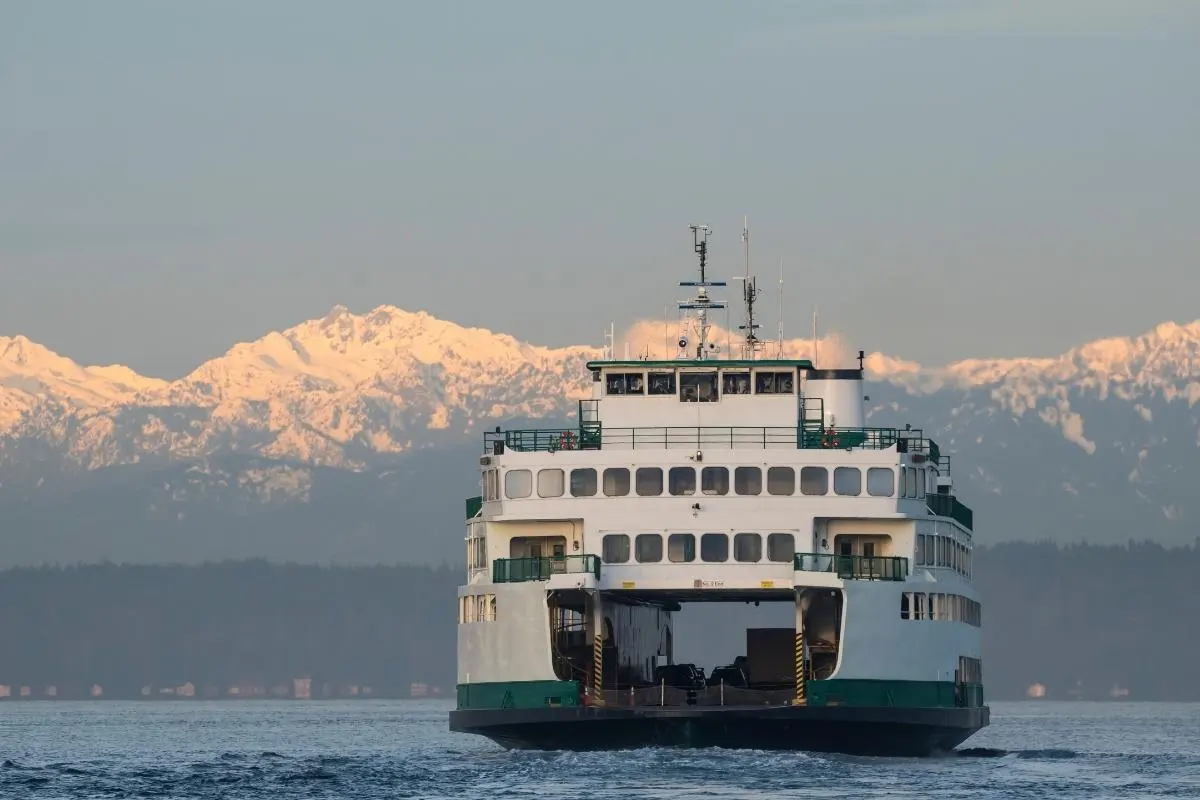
(399, 749)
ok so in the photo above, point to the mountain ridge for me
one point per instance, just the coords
(353, 438)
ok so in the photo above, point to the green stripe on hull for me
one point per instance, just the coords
(518, 694)
(895, 694)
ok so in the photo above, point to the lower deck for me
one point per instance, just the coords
(850, 647)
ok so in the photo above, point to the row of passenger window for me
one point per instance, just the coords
(681, 548)
(682, 481)
(943, 551)
(949, 607)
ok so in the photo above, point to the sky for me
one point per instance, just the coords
(941, 179)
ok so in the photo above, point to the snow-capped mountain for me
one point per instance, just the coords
(1098, 443)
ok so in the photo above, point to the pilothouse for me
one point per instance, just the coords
(712, 478)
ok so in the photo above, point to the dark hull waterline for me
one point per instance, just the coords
(885, 731)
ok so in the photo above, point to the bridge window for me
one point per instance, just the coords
(781, 547)
(847, 481)
(747, 480)
(491, 490)
(648, 548)
(881, 482)
(904, 605)
(625, 383)
(698, 387)
(714, 480)
(583, 482)
(616, 482)
(920, 483)
(682, 480)
(518, 483)
(681, 548)
(649, 481)
(615, 548)
(781, 480)
(910, 482)
(736, 383)
(814, 480)
(714, 547)
(773, 382)
(920, 554)
(550, 483)
(662, 383)
(747, 548)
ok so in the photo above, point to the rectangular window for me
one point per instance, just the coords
(518, 483)
(714, 480)
(773, 382)
(624, 383)
(682, 480)
(550, 483)
(781, 480)
(847, 481)
(681, 548)
(698, 387)
(648, 548)
(649, 481)
(910, 482)
(736, 383)
(714, 548)
(747, 480)
(747, 548)
(615, 548)
(920, 555)
(781, 547)
(814, 480)
(583, 482)
(616, 482)
(881, 482)
(662, 383)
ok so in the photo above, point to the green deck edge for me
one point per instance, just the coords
(833, 692)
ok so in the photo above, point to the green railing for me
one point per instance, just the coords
(530, 440)
(860, 568)
(474, 506)
(517, 570)
(947, 505)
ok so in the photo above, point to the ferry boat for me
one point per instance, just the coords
(711, 477)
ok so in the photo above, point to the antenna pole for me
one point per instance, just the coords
(749, 294)
(814, 336)
(781, 306)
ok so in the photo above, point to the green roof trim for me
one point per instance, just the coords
(714, 363)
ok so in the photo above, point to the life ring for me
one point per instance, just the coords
(566, 441)
(830, 438)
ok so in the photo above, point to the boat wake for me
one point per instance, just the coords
(995, 752)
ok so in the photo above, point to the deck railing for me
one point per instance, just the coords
(861, 568)
(947, 505)
(593, 436)
(517, 570)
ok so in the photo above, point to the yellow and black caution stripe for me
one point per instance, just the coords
(598, 671)
(800, 676)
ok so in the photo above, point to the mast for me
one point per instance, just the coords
(781, 306)
(749, 294)
(701, 304)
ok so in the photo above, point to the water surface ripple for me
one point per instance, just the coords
(400, 749)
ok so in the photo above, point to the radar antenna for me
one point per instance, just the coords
(701, 304)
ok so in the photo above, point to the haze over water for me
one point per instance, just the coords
(403, 749)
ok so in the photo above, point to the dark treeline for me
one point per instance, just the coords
(248, 623)
(1076, 617)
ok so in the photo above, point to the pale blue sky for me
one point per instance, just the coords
(944, 179)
